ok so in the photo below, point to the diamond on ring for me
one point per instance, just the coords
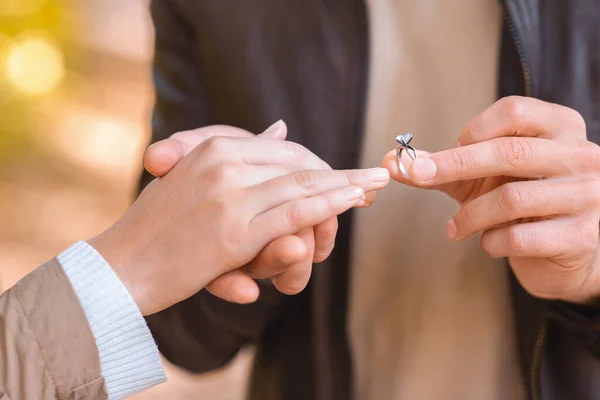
(403, 141)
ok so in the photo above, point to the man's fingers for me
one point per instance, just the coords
(239, 287)
(453, 189)
(294, 279)
(390, 162)
(296, 276)
(518, 200)
(370, 198)
(296, 215)
(509, 156)
(309, 183)
(280, 254)
(235, 287)
(557, 238)
(524, 116)
(324, 237)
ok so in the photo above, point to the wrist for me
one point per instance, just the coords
(119, 253)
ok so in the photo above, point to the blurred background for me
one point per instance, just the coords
(75, 103)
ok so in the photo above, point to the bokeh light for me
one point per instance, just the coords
(34, 64)
(100, 141)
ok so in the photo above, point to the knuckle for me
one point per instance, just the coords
(515, 239)
(296, 151)
(294, 215)
(512, 198)
(306, 180)
(589, 151)
(516, 151)
(514, 107)
(473, 132)
(216, 145)
(460, 160)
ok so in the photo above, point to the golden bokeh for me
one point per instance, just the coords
(34, 64)
(75, 106)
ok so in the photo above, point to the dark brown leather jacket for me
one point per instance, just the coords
(249, 63)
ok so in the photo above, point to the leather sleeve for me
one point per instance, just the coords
(47, 350)
(203, 332)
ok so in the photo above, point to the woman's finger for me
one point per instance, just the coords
(295, 215)
(309, 183)
(163, 155)
(259, 151)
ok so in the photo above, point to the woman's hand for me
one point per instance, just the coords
(526, 176)
(218, 208)
(287, 260)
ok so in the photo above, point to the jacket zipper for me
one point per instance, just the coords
(536, 363)
(516, 35)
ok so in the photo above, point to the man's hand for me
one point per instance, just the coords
(288, 260)
(526, 176)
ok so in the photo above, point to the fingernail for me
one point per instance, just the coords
(354, 193)
(275, 129)
(424, 169)
(378, 174)
(451, 229)
(457, 144)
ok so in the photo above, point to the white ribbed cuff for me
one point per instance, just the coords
(129, 358)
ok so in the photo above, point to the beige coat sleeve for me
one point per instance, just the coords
(47, 350)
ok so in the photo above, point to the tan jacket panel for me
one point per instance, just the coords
(47, 350)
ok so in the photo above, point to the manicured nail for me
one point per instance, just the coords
(424, 169)
(275, 129)
(378, 174)
(451, 229)
(354, 193)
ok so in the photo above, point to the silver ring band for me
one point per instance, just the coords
(411, 152)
